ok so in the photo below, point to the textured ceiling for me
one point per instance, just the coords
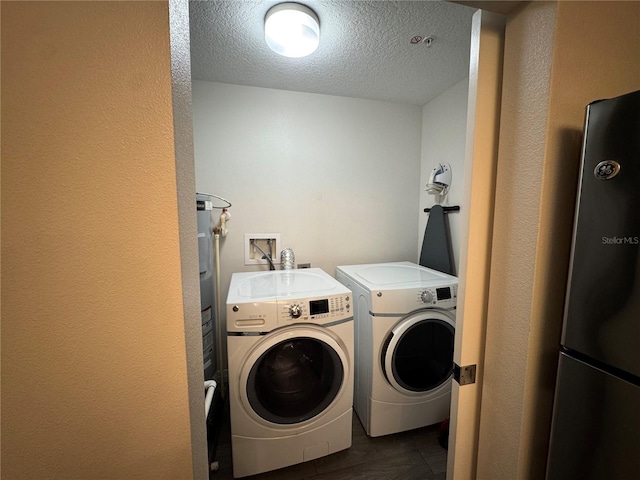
(364, 52)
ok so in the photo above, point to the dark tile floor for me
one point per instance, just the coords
(413, 455)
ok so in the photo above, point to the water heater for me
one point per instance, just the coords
(207, 299)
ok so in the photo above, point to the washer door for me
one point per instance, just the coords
(294, 375)
(417, 356)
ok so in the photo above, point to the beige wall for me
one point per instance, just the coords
(558, 58)
(610, 63)
(93, 349)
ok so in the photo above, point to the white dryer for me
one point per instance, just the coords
(404, 336)
(290, 348)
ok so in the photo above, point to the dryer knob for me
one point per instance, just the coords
(426, 297)
(295, 311)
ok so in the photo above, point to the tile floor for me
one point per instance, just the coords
(413, 455)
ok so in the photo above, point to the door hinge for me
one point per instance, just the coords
(465, 375)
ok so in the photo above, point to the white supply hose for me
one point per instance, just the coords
(210, 388)
(218, 322)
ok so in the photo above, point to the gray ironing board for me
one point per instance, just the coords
(436, 247)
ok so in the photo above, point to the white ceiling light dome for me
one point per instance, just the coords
(292, 30)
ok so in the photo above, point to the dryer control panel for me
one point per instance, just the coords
(443, 297)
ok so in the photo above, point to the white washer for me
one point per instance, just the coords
(290, 346)
(404, 336)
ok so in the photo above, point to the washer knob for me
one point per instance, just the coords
(295, 311)
(426, 297)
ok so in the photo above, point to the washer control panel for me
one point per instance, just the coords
(441, 296)
(321, 310)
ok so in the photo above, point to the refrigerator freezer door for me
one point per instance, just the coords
(602, 312)
(596, 425)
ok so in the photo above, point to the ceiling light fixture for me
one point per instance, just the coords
(292, 30)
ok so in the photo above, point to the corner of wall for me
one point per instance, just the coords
(185, 183)
(523, 126)
(443, 140)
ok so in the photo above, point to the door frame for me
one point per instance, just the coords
(180, 48)
(481, 160)
(483, 116)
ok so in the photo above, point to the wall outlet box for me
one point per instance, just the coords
(257, 243)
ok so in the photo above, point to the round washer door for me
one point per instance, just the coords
(294, 375)
(417, 355)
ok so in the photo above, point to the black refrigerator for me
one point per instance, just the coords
(595, 432)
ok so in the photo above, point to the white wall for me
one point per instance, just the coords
(444, 126)
(337, 177)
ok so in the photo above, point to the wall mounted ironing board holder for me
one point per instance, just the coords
(455, 208)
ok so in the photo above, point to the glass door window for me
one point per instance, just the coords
(418, 354)
(294, 380)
